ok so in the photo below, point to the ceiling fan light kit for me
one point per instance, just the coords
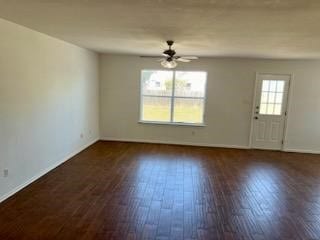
(169, 64)
(170, 60)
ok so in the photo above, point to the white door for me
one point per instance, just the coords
(269, 113)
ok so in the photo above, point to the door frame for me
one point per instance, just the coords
(287, 110)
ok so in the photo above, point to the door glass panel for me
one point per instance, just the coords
(280, 86)
(263, 108)
(279, 98)
(270, 108)
(273, 86)
(265, 86)
(264, 97)
(271, 97)
(277, 109)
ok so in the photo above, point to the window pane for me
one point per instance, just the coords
(270, 108)
(273, 86)
(280, 86)
(190, 84)
(279, 97)
(263, 108)
(264, 97)
(265, 85)
(156, 109)
(157, 83)
(188, 110)
(277, 109)
(271, 98)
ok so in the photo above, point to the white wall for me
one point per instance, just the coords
(48, 98)
(230, 90)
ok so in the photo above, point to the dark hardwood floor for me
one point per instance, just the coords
(148, 191)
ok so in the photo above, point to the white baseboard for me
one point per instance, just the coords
(199, 144)
(301, 151)
(173, 142)
(43, 172)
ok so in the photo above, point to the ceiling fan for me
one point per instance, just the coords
(170, 59)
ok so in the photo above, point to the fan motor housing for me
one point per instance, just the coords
(170, 52)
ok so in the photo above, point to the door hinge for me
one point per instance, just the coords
(282, 142)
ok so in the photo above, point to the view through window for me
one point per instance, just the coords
(173, 96)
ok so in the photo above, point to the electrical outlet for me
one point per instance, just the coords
(5, 172)
(81, 135)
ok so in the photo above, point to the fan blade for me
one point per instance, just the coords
(190, 57)
(180, 59)
(148, 56)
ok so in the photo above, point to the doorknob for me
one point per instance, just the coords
(256, 118)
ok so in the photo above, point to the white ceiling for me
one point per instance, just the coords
(240, 28)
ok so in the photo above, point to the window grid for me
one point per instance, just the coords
(172, 103)
(172, 95)
(271, 97)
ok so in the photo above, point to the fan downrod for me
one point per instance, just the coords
(170, 52)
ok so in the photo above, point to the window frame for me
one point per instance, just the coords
(172, 97)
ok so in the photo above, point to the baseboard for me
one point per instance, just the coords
(173, 143)
(301, 151)
(45, 171)
(199, 144)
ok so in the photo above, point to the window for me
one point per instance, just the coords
(271, 97)
(172, 96)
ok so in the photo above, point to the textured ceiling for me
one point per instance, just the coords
(240, 28)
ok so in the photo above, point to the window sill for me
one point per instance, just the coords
(174, 123)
